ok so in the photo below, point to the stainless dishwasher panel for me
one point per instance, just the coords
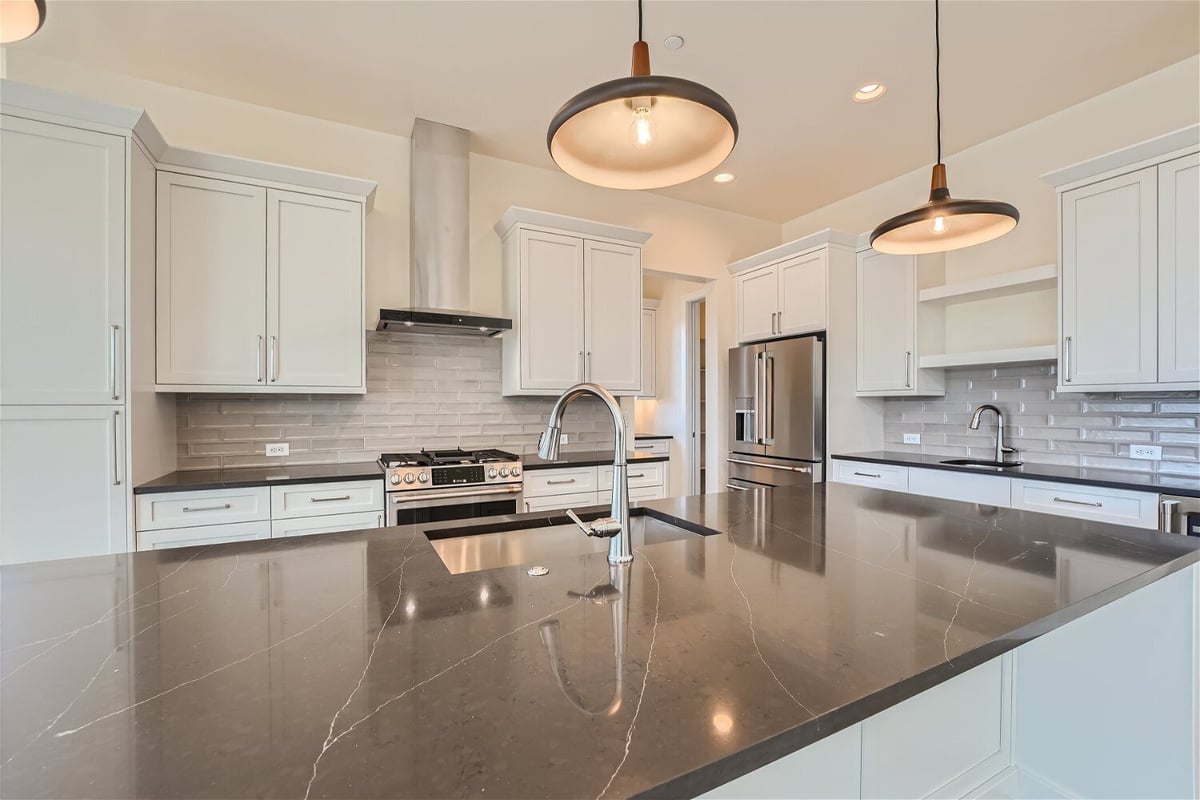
(1179, 514)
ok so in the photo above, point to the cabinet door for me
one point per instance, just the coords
(886, 321)
(649, 342)
(1179, 270)
(612, 315)
(1109, 282)
(62, 264)
(802, 294)
(41, 515)
(212, 282)
(551, 310)
(315, 324)
(757, 302)
(335, 523)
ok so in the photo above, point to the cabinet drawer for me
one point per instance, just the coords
(640, 475)
(321, 499)
(1118, 506)
(210, 507)
(544, 482)
(990, 490)
(659, 447)
(636, 495)
(879, 476)
(203, 535)
(559, 501)
(330, 524)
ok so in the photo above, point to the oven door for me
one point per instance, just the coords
(416, 508)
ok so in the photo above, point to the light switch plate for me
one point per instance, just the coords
(912, 438)
(279, 449)
(1145, 452)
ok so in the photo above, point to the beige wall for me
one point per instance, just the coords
(687, 237)
(1008, 168)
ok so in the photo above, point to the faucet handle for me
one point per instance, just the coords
(575, 518)
(604, 528)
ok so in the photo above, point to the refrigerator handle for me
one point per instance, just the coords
(757, 415)
(769, 397)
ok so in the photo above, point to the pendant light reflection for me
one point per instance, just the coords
(944, 223)
(20, 19)
(642, 132)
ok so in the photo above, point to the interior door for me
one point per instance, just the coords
(552, 341)
(612, 315)
(315, 326)
(211, 282)
(1179, 270)
(51, 508)
(802, 293)
(62, 264)
(1109, 281)
(886, 321)
(758, 300)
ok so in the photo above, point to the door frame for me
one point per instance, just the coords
(691, 368)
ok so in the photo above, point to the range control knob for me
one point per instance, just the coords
(504, 472)
(423, 477)
(516, 472)
(492, 472)
(409, 477)
(394, 479)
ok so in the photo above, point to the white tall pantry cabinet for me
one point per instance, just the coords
(574, 291)
(76, 274)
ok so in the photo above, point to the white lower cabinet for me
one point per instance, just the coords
(203, 535)
(570, 487)
(1119, 506)
(877, 476)
(658, 447)
(207, 507)
(559, 501)
(321, 499)
(334, 523)
(990, 490)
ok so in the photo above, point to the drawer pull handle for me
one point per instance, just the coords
(869, 474)
(556, 483)
(1078, 502)
(638, 475)
(643, 447)
(768, 466)
(209, 508)
(327, 499)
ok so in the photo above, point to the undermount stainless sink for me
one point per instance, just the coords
(981, 463)
(518, 542)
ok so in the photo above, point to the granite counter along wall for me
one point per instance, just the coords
(422, 391)
(1086, 430)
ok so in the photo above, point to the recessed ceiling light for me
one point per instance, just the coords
(673, 42)
(868, 92)
(723, 177)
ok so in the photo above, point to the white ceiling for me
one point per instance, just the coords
(501, 69)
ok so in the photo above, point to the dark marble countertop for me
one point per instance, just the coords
(196, 480)
(355, 665)
(652, 436)
(1112, 478)
(593, 458)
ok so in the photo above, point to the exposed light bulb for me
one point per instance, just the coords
(641, 132)
(940, 225)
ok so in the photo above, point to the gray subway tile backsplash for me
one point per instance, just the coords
(1086, 430)
(422, 391)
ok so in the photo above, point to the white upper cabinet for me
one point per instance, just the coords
(212, 281)
(786, 297)
(574, 291)
(1179, 270)
(62, 264)
(259, 289)
(315, 325)
(1130, 267)
(1109, 278)
(757, 304)
(612, 315)
(802, 293)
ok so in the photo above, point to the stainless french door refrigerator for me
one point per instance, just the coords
(777, 403)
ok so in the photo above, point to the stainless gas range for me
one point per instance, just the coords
(438, 485)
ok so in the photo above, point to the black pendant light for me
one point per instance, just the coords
(642, 132)
(20, 19)
(944, 223)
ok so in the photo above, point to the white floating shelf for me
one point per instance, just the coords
(981, 358)
(1002, 285)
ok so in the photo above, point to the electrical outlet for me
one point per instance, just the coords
(912, 438)
(279, 449)
(562, 439)
(1145, 452)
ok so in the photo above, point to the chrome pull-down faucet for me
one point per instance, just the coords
(1001, 447)
(615, 527)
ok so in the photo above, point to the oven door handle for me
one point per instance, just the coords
(397, 498)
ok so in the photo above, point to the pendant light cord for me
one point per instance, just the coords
(639, 20)
(937, 69)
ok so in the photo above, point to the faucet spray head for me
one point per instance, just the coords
(548, 446)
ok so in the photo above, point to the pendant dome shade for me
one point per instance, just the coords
(20, 19)
(944, 223)
(695, 129)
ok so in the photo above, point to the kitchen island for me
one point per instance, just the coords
(356, 664)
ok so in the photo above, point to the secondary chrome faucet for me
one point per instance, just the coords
(1001, 447)
(614, 527)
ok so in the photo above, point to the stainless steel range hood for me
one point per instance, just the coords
(439, 255)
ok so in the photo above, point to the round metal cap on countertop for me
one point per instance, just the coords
(537, 572)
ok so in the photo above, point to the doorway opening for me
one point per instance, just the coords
(695, 367)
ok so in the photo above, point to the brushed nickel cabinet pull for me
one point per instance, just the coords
(1078, 502)
(113, 345)
(116, 449)
(258, 365)
(1067, 359)
(908, 369)
(327, 499)
(869, 474)
(556, 483)
(222, 507)
(274, 356)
